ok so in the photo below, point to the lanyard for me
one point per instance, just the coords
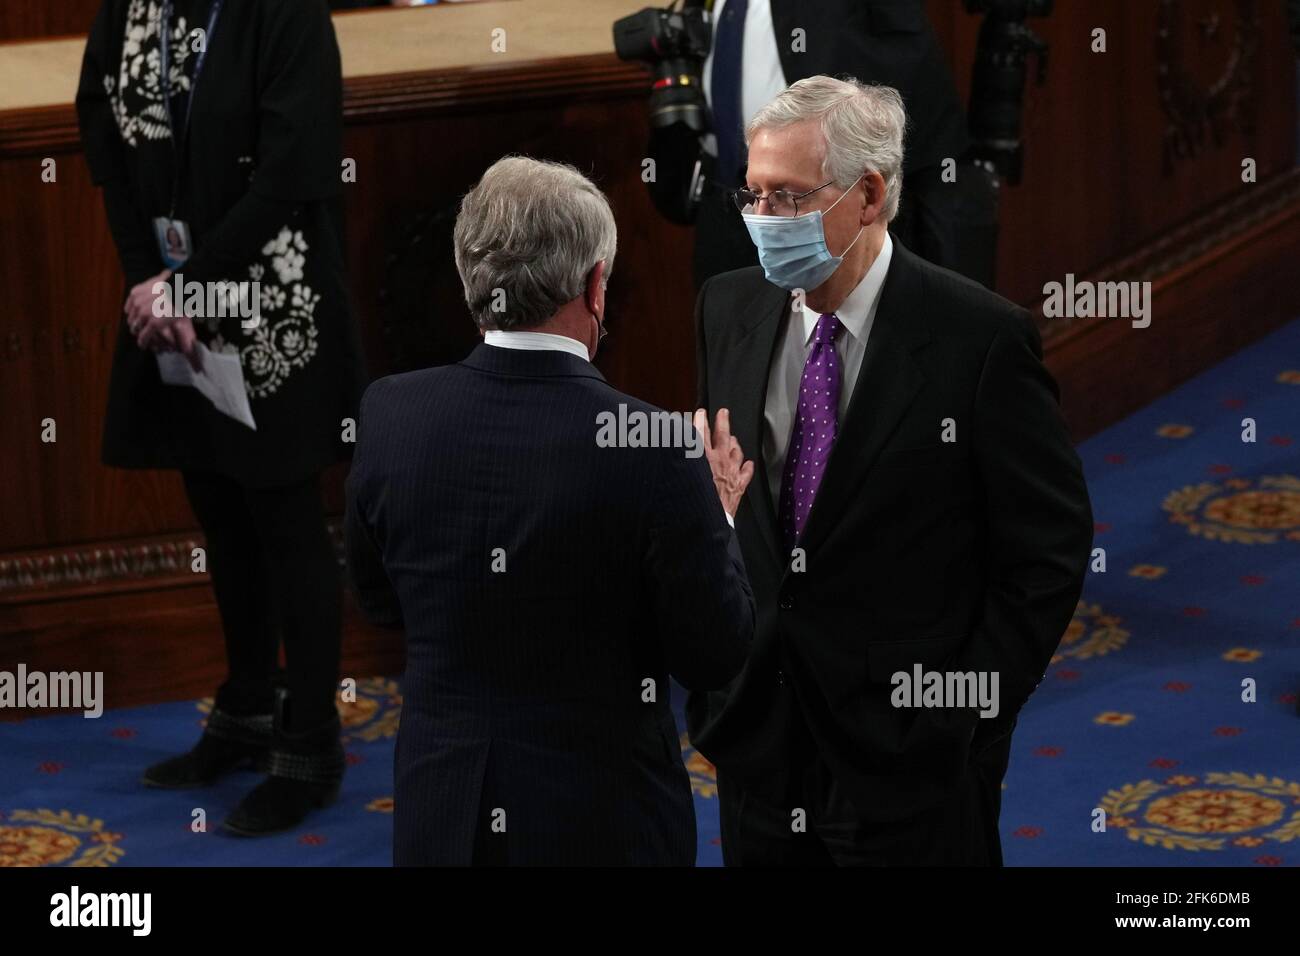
(165, 81)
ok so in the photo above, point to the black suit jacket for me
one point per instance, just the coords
(889, 42)
(879, 41)
(542, 581)
(965, 556)
(876, 41)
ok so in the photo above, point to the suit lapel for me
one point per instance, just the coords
(753, 353)
(887, 383)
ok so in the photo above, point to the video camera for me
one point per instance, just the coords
(674, 43)
(998, 80)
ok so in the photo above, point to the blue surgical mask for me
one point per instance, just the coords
(792, 249)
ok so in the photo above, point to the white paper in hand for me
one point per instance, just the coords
(221, 381)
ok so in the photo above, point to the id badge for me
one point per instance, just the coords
(173, 241)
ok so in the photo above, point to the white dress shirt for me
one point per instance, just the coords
(761, 76)
(535, 342)
(856, 314)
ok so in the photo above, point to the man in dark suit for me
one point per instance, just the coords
(551, 567)
(762, 46)
(918, 505)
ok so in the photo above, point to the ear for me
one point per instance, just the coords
(873, 185)
(594, 293)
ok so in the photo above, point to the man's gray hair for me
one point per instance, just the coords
(862, 128)
(527, 237)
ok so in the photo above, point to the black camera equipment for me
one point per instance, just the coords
(998, 81)
(674, 44)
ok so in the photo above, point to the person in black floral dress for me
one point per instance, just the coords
(214, 128)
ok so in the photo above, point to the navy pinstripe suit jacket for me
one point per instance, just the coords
(547, 587)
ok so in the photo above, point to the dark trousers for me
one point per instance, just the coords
(961, 831)
(275, 576)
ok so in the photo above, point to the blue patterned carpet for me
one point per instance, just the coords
(1141, 713)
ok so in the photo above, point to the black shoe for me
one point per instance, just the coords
(306, 770)
(228, 743)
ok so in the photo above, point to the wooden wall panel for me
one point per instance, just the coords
(36, 19)
(57, 328)
(1095, 184)
(58, 323)
(1217, 285)
(89, 560)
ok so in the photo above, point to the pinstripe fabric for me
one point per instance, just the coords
(523, 691)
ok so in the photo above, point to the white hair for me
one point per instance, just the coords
(862, 127)
(526, 238)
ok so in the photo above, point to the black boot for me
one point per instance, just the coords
(228, 743)
(306, 770)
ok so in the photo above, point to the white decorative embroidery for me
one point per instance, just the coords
(287, 250)
(285, 339)
(138, 106)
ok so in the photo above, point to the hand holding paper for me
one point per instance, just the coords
(220, 379)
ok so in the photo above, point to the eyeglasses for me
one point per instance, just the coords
(781, 202)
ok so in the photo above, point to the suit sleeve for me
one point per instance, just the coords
(700, 593)
(300, 135)
(106, 153)
(1039, 519)
(701, 351)
(300, 104)
(371, 586)
(101, 140)
(236, 240)
(137, 249)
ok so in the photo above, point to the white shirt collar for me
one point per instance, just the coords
(535, 342)
(858, 310)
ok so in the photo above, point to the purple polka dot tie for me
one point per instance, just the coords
(815, 426)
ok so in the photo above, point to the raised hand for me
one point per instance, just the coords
(731, 473)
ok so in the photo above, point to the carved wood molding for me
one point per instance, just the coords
(389, 97)
(99, 569)
(1218, 233)
(374, 99)
(43, 131)
(1198, 110)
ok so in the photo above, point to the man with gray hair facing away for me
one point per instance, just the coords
(919, 510)
(548, 582)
